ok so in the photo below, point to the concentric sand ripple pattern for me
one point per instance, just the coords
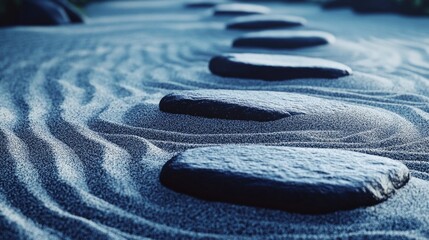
(82, 141)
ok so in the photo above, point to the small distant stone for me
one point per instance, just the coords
(47, 12)
(35, 12)
(265, 22)
(203, 3)
(301, 180)
(240, 9)
(275, 67)
(245, 105)
(285, 39)
(73, 12)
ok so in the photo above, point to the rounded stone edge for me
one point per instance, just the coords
(197, 5)
(172, 103)
(258, 42)
(217, 66)
(268, 24)
(259, 10)
(175, 182)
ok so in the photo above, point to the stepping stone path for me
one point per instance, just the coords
(246, 105)
(302, 180)
(275, 67)
(265, 22)
(234, 9)
(284, 39)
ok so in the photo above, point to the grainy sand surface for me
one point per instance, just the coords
(82, 140)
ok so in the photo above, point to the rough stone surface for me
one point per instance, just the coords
(265, 22)
(302, 180)
(275, 67)
(285, 39)
(245, 105)
(240, 9)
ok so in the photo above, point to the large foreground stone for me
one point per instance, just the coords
(246, 105)
(275, 67)
(285, 39)
(303, 180)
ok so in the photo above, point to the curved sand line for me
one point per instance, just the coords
(82, 142)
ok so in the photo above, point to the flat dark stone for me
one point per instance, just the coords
(234, 9)
(203, 3)
(285, 39)
(73, 12)
(35, 12)
(245, 105)
(275, 67)
(333, 4)
(265, 22)
(301, 180)
(48, 12)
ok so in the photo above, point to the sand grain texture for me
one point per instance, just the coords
(82, 140)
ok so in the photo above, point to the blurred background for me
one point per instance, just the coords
(58, 12)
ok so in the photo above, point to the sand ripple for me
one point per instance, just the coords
(82, 140)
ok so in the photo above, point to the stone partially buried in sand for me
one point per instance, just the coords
(246, 105)
(302, 180)
(265, 22)
(285, 39)
(275, 67)
(236, 9)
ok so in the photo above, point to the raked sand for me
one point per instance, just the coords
(82, 139)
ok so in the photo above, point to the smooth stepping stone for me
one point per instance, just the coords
(284, 39)
(203, 3)
(239, 9)
(48, 12)
(302, 180)
(245, 105)
(73, 12)
(35, 12)
(265, 22)
(275, 67)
